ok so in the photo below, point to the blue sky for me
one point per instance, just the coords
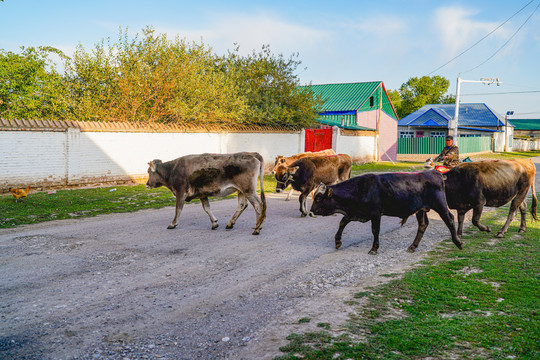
(337, 41)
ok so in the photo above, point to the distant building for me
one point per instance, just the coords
(361, 106)
(474, 120)
(529, 128)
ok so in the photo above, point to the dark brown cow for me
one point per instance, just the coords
(493, 183)
(306, 173)
(369, 197)
(201, 176)
(281, 163)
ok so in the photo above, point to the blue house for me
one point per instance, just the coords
(474, 120)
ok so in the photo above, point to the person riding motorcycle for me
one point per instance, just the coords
(449, 154)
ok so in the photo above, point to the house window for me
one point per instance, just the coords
(371, 101)
(406, 134)
(437, 134)
(419, 134)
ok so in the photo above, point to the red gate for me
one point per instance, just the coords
(318, 139)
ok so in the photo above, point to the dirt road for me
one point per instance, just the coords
(122, 286)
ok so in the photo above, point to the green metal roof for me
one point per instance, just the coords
(353, 97)
(525, 124)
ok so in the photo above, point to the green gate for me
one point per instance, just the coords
(434, 145)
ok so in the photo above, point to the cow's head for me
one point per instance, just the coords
(280, 161)
(285, 176)
(323, 202)
(154, 178)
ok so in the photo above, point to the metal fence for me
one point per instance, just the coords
(434, 145)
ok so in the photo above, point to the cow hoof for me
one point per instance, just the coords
(411, 249)
(256, 232)
(459, 245)
(499, 235)
(303, 214)
(171, 226)
(521, 231)
(215, 226)
(229, 226)
(338, 245)
(372, 252)
(312, 215)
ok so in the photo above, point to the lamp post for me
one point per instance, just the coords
(453, 123)
(508, 113)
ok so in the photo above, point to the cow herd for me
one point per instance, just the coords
(362, 198)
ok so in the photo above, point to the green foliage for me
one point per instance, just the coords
(29, 86)
(271, 89)
(149, 78)
(417, 92)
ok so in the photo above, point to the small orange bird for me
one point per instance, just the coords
(19, 193)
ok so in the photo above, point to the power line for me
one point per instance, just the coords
(505, 93)
(506, 43)
(476, 43)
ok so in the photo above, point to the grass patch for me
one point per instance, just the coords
(509, 155)
(479, 303)
(385, 166)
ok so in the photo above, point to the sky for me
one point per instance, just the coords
(336, 41)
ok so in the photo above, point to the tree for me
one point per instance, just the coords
(151, 79)
(29, 85)
(271, 89)
(418, 92)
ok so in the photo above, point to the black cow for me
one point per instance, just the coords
(201, 176)
(369, 197)
(494, 183)
(306, 173)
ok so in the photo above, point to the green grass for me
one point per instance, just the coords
(478, 303)
(385, 166)
(508, 155)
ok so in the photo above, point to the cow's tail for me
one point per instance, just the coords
(534, 205)
(263, 197)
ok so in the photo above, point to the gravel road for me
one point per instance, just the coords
(122, 286)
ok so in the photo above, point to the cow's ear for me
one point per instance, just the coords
(293, 170)
(152, 165)
(329, 193)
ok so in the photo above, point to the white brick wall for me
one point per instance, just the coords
(72, 157)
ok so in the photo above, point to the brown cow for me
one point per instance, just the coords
(281, 163)
(201, 176)
(306, 173)
(493, 183)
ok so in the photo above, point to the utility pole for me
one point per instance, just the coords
(453, 124)
(508, 113)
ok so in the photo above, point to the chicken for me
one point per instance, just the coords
(19, 193)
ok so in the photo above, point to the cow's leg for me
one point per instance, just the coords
(375, 229)
(342, 225)
(517, 202)
(206, 206)
(303, 200)
(423, 223)
(242, 205)
(477, 213)
(289, 194)
(461, 220)
(523, 211)
(442, 209)
(179, 206)
(257, 204)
